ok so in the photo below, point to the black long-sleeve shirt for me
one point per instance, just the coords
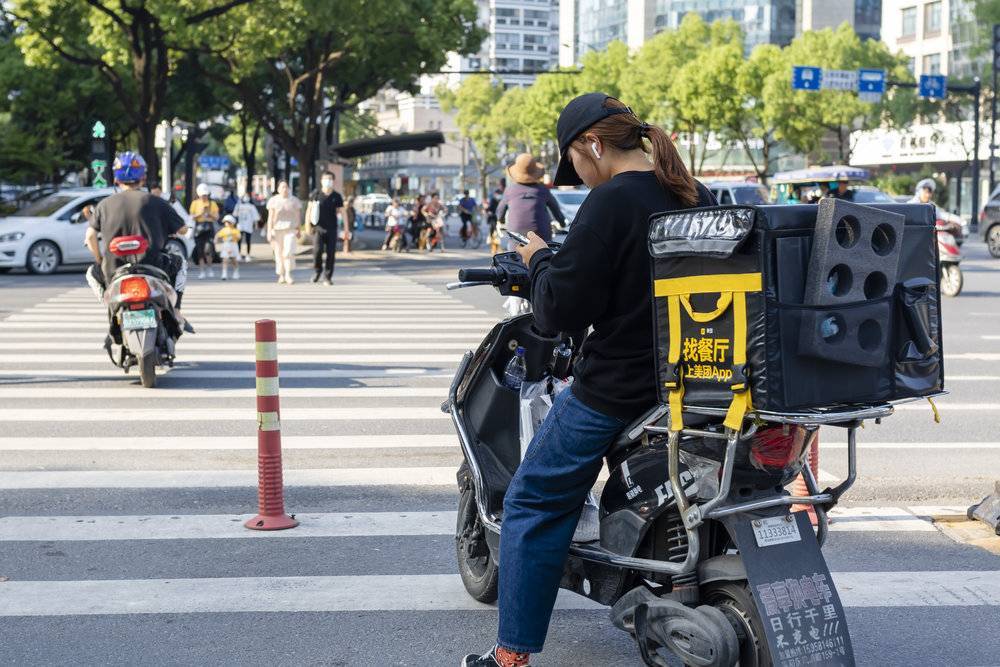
(602, 278)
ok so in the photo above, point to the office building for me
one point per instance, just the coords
(921, 31)
(523, 35)
(865, 16)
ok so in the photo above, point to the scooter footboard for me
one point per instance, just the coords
(798, 603)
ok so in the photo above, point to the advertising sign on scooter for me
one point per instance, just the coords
(799, 606)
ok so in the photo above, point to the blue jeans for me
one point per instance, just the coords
(540, 513)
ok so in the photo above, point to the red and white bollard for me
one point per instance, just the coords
(799, 487)
(271, 493)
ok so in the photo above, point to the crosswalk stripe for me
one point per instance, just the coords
(245, 336)
(289, 594)
(946, 446)
(353, 524)
(312, 324)
(98, 356)
(424, 592)
(179, 479)
(250, 310)
(121, 415)
(185, 345)
(439, 391)
(230, 374)
(187, 443)
(444, 320)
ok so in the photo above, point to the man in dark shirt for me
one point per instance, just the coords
(466, 209)
(325, 202)
(133, 211)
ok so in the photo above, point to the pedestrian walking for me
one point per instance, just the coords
(527, 204)
(491, 219)
(284, 217)
(205, 214)
(325, 205)
(228, 239)
(247, 217)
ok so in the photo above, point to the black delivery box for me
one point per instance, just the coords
(751, 305)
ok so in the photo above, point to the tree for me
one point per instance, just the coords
(295, 59)
(603, 71)
(665, 84)
(244, 141)
(46, 115)
(798, 116)
(474, 102)
(133, 46)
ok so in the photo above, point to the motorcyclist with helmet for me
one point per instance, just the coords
(134, 211)
(924, 192)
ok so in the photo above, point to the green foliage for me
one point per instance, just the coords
(46, 116)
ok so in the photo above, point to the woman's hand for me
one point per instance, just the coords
(535, 243)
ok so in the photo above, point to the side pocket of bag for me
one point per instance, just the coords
(917, 340)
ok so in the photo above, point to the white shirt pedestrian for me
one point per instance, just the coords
(283, 221)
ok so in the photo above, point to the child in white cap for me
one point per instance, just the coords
(229, 239)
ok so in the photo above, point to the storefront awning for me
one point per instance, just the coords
(390, 143)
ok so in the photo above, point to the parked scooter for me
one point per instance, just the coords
(949, 231)
(699, 554)
(143, 323)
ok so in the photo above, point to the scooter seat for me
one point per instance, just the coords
(632, 433)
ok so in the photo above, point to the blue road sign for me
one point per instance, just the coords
(871, 81)
(806, 78)
(213, 162)
(933, 86)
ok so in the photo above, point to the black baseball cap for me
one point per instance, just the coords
(575, 119)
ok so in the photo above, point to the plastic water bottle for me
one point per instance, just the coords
(516, 369)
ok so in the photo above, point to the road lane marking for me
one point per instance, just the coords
(100, 357)
(944, 405)
(972, 356)
(348, 524)
(245, 479)
(194, 312)
(440, 391)
(120, 415)
(425, 592)
(246, 337)
(215, 374)
(184, 345)
(246, 443)
(444, 320)
(179, 479)
(333, 325)
(945, 446)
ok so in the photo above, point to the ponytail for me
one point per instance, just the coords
(669, 168)
(625, 132)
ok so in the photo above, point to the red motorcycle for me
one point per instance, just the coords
(949, 235)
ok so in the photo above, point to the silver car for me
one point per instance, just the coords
(569, 202)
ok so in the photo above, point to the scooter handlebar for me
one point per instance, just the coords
(491, 276)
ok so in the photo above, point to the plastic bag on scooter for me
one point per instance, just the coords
(536, 401)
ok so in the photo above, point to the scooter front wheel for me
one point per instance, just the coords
(478, 570)
(735, 601)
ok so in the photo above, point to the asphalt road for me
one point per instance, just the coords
(120, 508)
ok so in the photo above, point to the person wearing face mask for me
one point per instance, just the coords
(324, 206)
(284, 217)
(247, 217)
(599, 279)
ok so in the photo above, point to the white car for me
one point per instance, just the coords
(49, 232)
(569, 201)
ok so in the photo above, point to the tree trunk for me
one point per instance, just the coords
(304, 156)
(146, 131)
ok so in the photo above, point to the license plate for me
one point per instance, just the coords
(775, 530)
(138, 319)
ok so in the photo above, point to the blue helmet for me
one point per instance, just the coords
(129, 167)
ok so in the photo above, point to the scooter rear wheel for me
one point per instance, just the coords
(478, 570)
(736, 602)
(147, 371)
(951, 279)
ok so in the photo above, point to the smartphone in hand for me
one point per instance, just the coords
(520, 239)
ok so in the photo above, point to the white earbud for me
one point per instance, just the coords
(593, 147)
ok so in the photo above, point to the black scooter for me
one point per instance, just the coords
(699, 553)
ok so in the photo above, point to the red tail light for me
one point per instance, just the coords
(778, 447)
(134, 289)
(982, 215)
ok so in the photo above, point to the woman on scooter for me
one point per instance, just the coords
(600, 278)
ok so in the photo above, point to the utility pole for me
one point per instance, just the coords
(993, 107)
